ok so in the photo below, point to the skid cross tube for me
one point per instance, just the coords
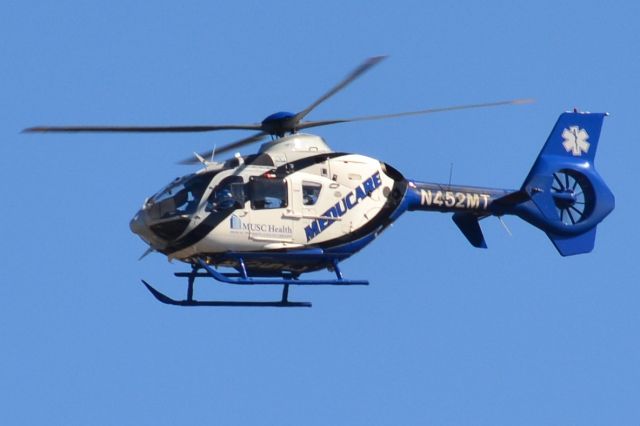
(222, 277)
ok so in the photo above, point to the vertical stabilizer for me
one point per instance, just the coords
(568, 198)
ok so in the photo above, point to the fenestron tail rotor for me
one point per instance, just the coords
(276, 125)
(572, 195)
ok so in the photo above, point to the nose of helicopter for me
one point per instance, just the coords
(138, 224)
(157, 232)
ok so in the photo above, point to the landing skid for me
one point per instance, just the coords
(242, 278)
(284, 303)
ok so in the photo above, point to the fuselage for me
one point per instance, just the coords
(294, 194)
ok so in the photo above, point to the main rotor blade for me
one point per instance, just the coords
(139, 129)
(237, 144)
(365, 66)
(309, 124)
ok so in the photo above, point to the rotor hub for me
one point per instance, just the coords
(279, 123)
(564, 199)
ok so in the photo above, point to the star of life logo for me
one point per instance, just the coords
(575, 140)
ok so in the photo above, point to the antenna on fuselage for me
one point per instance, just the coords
(148, 251)
(203, 160)
(200, 158)
(506, 228)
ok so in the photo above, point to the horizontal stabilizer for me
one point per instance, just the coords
(568, 246)
(468, 224)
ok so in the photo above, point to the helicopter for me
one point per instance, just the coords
(297, 206)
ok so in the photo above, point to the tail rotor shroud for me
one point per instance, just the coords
(573, 196)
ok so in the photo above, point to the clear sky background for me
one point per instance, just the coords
(445, 334)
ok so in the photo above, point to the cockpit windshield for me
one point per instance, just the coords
(180, 197)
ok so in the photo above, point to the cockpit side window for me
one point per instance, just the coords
(229, 194)
(266, 193)
(310, 193)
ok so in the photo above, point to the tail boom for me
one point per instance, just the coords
(468, 204)
(453, 198)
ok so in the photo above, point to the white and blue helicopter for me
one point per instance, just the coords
(297, 206)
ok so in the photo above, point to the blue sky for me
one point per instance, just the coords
(445, 333)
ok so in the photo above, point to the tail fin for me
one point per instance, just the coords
(575, 135)
(567, 198)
